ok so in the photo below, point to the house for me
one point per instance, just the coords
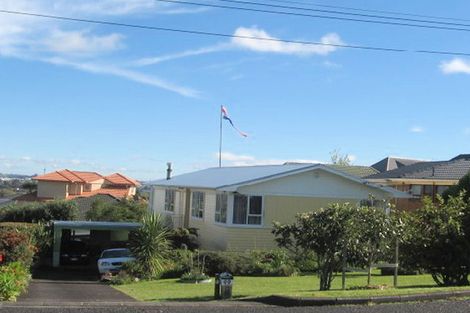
(69, 185)
(423, 179)
(234, 207)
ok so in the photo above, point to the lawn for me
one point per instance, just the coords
(297, 286)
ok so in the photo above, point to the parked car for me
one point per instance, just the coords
(74, 252)
(111, 260)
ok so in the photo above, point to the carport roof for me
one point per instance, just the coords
(96, 225)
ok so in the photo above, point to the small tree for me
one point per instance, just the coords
(150, 245)
(339, 159)
(30, 186)
(325, 232)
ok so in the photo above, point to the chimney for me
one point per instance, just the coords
(168, 171)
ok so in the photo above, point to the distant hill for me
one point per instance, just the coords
(15, 176)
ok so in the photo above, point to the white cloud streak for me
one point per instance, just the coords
(127, 74)
(455, 66)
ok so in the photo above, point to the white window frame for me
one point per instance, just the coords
(198, 212)
(248, 214)
(218, 214)
(167, 205)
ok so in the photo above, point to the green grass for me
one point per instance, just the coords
(298, 286)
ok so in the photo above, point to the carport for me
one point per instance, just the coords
(99, 232)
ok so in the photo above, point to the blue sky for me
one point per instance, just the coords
(108, 99)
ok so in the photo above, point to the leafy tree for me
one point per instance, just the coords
(123, 211)
(463, 185)
(439, 240)
(39, 212)
(339, 159)
(30, 186)
(150, 245)
(324, 232)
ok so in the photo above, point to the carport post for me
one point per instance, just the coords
(56, 246)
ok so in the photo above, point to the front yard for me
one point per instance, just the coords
(301, 286)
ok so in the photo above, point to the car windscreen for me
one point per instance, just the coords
(115, 254)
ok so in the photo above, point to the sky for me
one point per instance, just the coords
(107, 98)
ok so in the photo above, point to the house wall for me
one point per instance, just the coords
(56, 190)
(75, 188)
(95, 185)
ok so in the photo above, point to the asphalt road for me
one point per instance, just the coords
(424, 307)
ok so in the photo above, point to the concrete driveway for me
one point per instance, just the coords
(59, 286)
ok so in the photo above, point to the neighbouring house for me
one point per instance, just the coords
(234, 207)
(82, 187)
(392, 163)
(423, 179)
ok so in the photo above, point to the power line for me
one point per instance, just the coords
(321, 5)
(215, 34)
(220, 6)
(343, 13)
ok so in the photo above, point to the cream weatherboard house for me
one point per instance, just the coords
(234, 207)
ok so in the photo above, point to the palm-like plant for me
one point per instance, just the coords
(150, 245)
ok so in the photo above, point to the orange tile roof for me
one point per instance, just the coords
(119, 179)
(117, 193)
(70, 176)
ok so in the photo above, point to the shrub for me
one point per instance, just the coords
(39, 212)
(191, 277)
(438, 240)
(14, 279)
(184, 238)
(18, 243)
(123, 211)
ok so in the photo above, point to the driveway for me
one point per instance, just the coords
(59, 286)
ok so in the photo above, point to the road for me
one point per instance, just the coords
(425, 307)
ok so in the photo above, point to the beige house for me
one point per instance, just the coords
(67, 185)
(234, 207)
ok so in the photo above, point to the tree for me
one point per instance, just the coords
(462, 185)
(440, 240)
(324, 232)
(30, 186)
(150, 245)
(339, 159)
(122, 211)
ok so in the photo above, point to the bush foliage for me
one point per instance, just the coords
(39, 212)
(14, 279)
(123, 211)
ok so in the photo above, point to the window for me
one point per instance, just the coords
(441, 189)
(221, 208)
(416, 190)
(247, 210)
(170, 200)
(428, 190)
(197, 204)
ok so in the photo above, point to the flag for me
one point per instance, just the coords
(226, 117)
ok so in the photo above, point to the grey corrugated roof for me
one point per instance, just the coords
(449, 170)
(392, 163)
(216, 177)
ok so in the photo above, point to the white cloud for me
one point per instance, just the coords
(417, 129)
(81, 42)
(232, 159)
(455, 66)
(269, 45)
(127, 74)
(179, 55)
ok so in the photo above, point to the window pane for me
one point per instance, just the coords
(428, 190)
(169, 200)
(240, 203)
(221, 208)
(441, 189)
(254, 220)
(255, 205)
(197, 204)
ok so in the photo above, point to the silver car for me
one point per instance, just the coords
(111, 260)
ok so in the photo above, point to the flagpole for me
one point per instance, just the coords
(220, 139)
